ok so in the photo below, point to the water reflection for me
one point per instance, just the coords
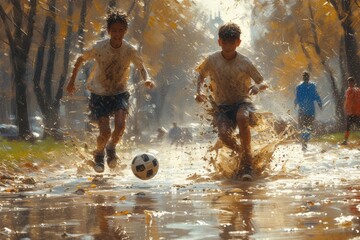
(235, 213)
(317, 196)
(108, 228)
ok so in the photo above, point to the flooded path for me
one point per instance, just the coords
(303, 195)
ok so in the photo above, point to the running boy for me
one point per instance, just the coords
(230, 79)
(108, 88)
(352, 107)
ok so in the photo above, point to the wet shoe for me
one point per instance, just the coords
(304, 146)
(344, 142)
(247, 174)
(111, 157)
(99, 163)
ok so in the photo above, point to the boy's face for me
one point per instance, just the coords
(117, 32)
(306, 77)
(229, 46)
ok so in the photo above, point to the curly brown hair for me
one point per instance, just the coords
(116, 16)
(229, 32)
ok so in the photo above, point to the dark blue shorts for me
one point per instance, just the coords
(305, 121)
(228, 113)
(104, 106)
(352, 120)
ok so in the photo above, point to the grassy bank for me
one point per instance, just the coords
(23, 151)
(338, 137)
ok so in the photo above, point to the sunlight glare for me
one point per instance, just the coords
(230, 11)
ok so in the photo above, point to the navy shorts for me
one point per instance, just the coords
(227, 113)
(352, 120)
(105, 106)
(305, 121)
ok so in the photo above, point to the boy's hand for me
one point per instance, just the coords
(253, 90)
(149, 84)
(256, 89)
(200, 98)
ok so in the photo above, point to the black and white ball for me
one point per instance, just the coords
(145, 166)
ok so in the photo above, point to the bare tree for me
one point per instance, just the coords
(344, 10)
(20, 42)
(327, 68)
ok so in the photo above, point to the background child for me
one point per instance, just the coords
(109, 95)
(305, 96)
(352, 107)
(230, 75)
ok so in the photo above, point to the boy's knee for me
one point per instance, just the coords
(242, 118)
(106, 133)
(224, 133)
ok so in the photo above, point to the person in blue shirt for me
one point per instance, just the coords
(306, 95)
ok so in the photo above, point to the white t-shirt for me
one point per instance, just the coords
(112, 65)
(230, 79)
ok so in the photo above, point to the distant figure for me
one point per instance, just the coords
(305, 96)
(186, 135)
(109, 95)
(230, 76)
(161, 134)
(352, 108)
(175, 134)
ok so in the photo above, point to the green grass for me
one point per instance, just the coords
(26, 151)
(337, 137)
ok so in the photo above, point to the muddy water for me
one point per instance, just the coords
(302, 195)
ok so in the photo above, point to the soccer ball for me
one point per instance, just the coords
(145, 166)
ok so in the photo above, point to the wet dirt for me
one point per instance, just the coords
(301, 195)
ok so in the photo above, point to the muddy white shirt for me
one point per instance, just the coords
(112, 65)
(230, 79)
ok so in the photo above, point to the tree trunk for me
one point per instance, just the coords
(339, 113)
(345, 16)
(19, 51)
(44, 97)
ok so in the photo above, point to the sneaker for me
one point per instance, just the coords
(304, 146)
(111, 158)
(246, 173)
(99, 163)
(344, 142)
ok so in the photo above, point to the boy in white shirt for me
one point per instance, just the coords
(230, 76)
(109, 95)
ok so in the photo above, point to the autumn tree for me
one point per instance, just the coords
(305, 35)
(18, 22)
(348, 12)
(49, 96)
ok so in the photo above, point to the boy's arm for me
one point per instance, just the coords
(200, 97)
(255, 89)
(258, 79)
(318, 98)
(145, 76)
(70, 88)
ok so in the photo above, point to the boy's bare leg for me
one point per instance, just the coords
(242, 119)
(104, 135)
(119, 122)
(226, 136)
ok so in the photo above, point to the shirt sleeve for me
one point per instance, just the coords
(203, 68)
(136, 59)
(254, 74)
(317, 97)
(296, 101)
(90, 52)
